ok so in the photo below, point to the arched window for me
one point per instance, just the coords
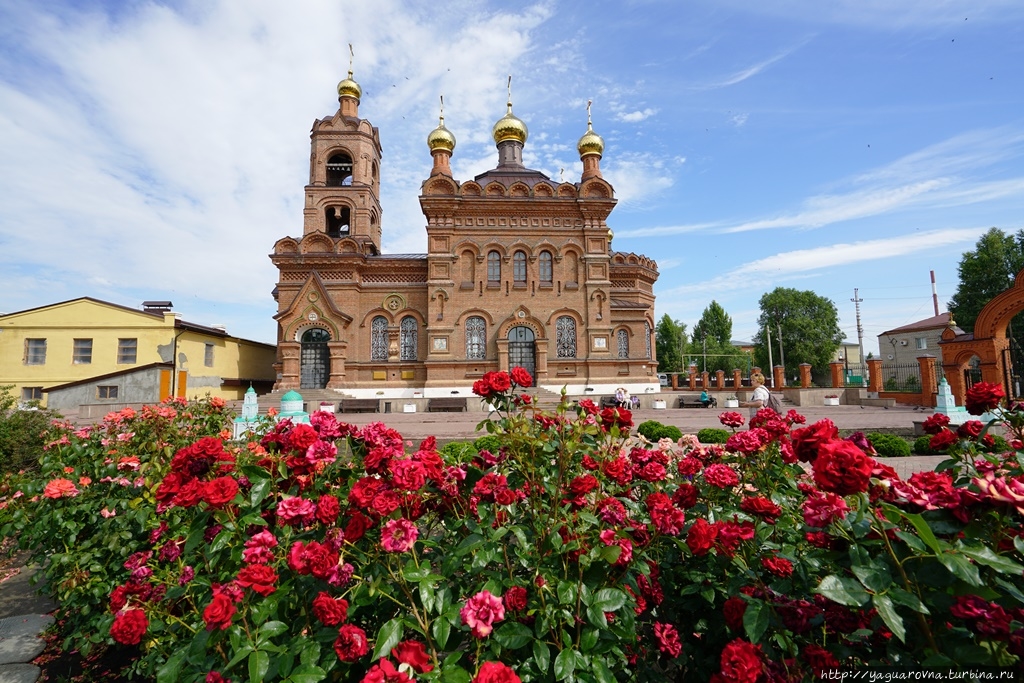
(622, 337)
(338, 218)
(379, 338)
(546, 271)
(519, 267)
(647, 337)
(409, 337)
(476, 338)
(493, 268)
(339, 170)
(565, 337)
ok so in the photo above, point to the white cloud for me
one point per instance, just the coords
(750, 71)
(636, 116)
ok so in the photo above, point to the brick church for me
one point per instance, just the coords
(520, 271)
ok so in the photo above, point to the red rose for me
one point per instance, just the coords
(413, 653)
(190, 494)
(129, 627)
(779, 566)
(496, 672)
(943, 440)
(818, 658)
(668, 639)
(521, 377)
(741, 662)
(970, 429)
(351, 643)
(842, 468)
(330, 611)
(515, 599)
(761, 507)
(701, 537)
(982, 397)
(731, 419)
(616, 417)
(320, 559)
(218, 613)
(220, 491)
(721, 475)
(301, 437)
(619, 470)
(807, 440)
(482, 389)
(733, 611)
(327, 509)
(685, 496)
(935, 423)
(260, 577)
(357, 526)
(214, 677)
(498, 382)
(582, 485)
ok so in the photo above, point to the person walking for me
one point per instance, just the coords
(759, 398)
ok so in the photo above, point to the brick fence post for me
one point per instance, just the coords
(720, 379)
(805, 375)
(836, 367)
(929, 384)
(693, 376)
(704, 376)
(737, 380)
(779, 377)
(875, 375)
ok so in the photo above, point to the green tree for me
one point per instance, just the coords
(809, 324)
(670, 339)
(984, 273)
(21, 432)
(712, 341)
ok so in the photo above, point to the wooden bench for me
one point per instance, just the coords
(359, 405)
(446, 405)
(695, 402)
(607, 402)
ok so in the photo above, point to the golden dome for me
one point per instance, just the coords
(441, 138)
(510, 127)
(349, 88)
(590, 143)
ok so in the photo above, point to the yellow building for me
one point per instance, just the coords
(95, 346)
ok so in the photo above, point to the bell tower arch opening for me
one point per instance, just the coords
(339, 170)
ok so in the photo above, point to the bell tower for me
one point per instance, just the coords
(343, 194)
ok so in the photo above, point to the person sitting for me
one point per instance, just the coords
(620, 397)
(706, 400)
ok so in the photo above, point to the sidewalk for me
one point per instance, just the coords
(24, 615)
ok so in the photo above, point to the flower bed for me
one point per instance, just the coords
(573, 552)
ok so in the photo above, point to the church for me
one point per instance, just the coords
(520, 271)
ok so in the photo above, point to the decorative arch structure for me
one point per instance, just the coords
(988, 342)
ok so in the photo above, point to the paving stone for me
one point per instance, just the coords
(24, 625)
(20, 649)
(19, 673)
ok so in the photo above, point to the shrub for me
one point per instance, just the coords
(921, 446)
(999, 445)
(653, 431)
(712, 435)
(461, 451)
(21, 433)
(488, 443)
(889, 445)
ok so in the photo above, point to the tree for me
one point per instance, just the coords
(712, 341)
(810, 329)
(670, 339)
(984, 273)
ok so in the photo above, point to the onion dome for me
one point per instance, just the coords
(590, 143)
(349, 88)
(510, 127)
(441, 138)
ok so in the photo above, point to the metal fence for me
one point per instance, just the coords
(901, 377)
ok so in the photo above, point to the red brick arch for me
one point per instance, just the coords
(988, 342)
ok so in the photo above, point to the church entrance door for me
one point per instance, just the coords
(522, 349)
(315, 359)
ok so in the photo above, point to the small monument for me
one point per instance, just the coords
(250, 413)
(291, 408)
(945, 404)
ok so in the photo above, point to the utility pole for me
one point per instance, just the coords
(768, 341)
(860, 330)
(782, 353)
(935, 295)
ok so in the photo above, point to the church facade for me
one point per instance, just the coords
(520, 271)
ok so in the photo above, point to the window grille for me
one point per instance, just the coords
(476, 338)
(107, 392)
(208, 356)
(647, 337)
(622, 337)
(379, 338)
(410, 337)
(127, 351)
(82, 354)
(35, 352)
(565, 337)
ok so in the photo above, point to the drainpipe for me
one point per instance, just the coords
(174, 364)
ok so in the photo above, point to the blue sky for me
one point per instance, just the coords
(158, 150)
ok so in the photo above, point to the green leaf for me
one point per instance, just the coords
(960, 567)
(887, 611)
(565, 664)
(924, 531)
(602, 672)
(168, 673)
(907, 599)
(259, 662)
(541, 656)
(842, 590)
(597, 617)
(388, 637)
(987, 557)
(441, 629)
(307, 674)
(513, 635)
(566, 593)
(608, 599)
(272, 628)
(755, 621)
(589, 639)
(259, 490)
(427, 595)
(912, 540)
(240, 654)
(310, 653)
(875, 579)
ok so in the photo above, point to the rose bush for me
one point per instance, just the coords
(569, 552)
